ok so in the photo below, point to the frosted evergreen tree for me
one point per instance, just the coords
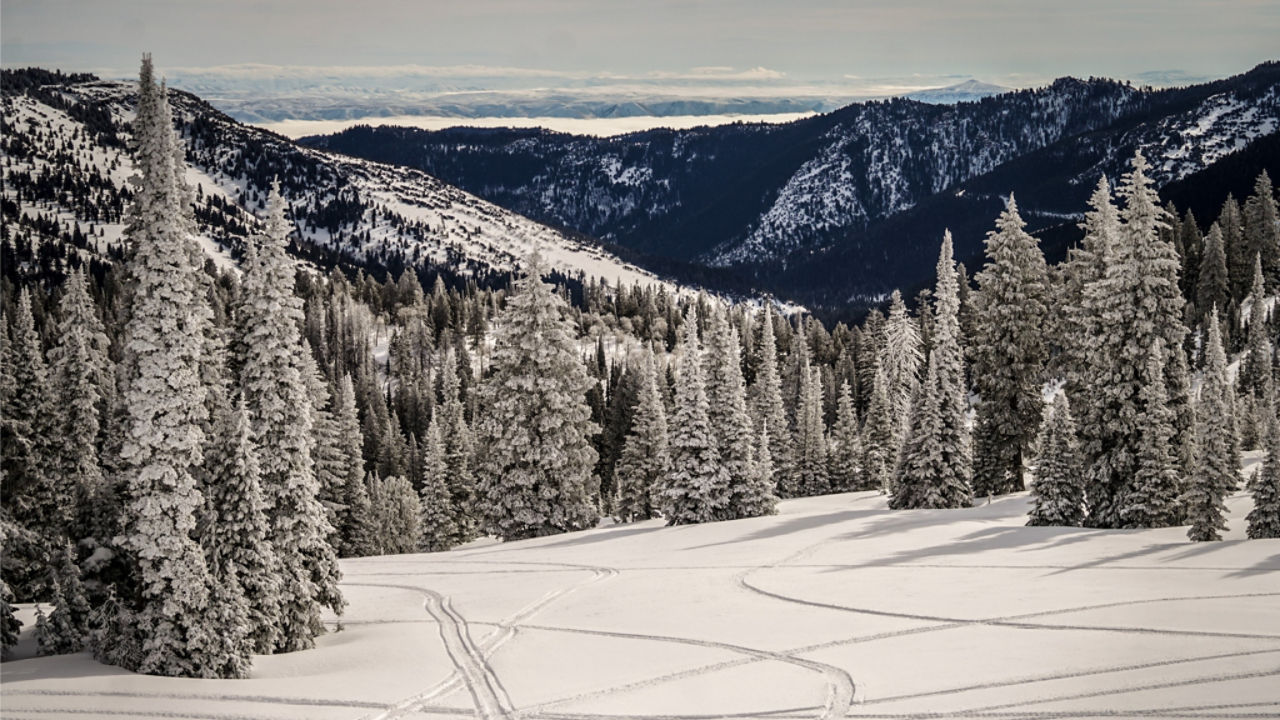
(764, 475)
(645, 459)
(1137, 304)
(901, 359)
(1262, 226)
(1086, 264)
(845, 457)
(811, 442)
(877, 437)
(353, 515)
(953, 403)
(769, 408)
(1151, 499)
(1213, 287)
(65, 628)
(397, 514)
(164, 614)
(459, 450)
(273, 382)
(1255, 379)
(34, 496)
(1057, 491)
(727, 413)
(1181, 403)
(930, 473)
(1218, 468)
(1264, 519)
(438, 529)
(236, 539)
(535, 472)
(696, 489)
(83, 383)
(10, 625)
(1008, 354)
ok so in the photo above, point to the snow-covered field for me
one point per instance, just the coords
(835, 607)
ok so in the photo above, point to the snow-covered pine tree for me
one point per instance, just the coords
(353, 516)
(1008, 354)
(163, 614)
(274, 387)
(877, 437)
(845, 456)
(953, 404)
(1137, 303)
(1213, 287)
(10, 625)
(397, 514)
(1254, 383)
(1151, 498)
(1218, 467)
(1058, 488)
(236, 540)
(437, 523)
(811, 441)
(83, 384)
(764, 475)
(901, 359)
(727, 413)
(930, 473)
(644, 463)
(1262, 226)
(769, 408)
(66, 627)
(535, 428)
(1264, 519)
(459, 445)
(696, 488)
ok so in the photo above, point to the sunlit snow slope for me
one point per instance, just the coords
(835, 607)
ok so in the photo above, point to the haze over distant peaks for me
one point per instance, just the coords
(967, 91)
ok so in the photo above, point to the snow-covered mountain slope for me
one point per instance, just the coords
(755, 197)
(65, 159)
(835, 607)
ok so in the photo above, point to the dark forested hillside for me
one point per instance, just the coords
(831, 209)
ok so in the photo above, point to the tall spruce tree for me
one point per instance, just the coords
(1264, 519)
(1151, 499)
(645, 460)
(397, 514)
(727, 413)
(1218, 468)
(162, 621)
(1136, 304)
(536, 470)
(1058, 489)
(273, 382)
(459, 447)
(770, 411)
(1262, 226)
(902, 359)
(353, 514)
(83, 385)
(236, 537)
(437, 524)
(877, 437)
(953, 403)
(696, 489)
(931, 472)
(845, 455)
(811, 442)
(1213, 287)
(1008, 354)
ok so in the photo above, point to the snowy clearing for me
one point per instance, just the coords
(834, 607)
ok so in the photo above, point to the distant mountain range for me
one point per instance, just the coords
(837, 209)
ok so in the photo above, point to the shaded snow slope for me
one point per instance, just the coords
(77, 134)
(835, 607)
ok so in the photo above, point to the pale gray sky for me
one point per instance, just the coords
(824, 39)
